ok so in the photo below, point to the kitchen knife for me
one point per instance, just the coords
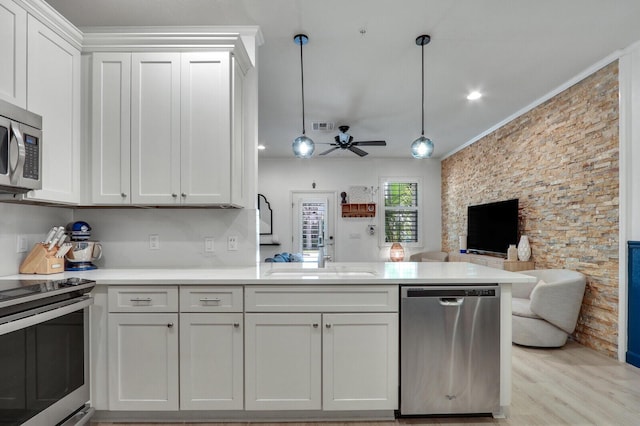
(50, 235)
(56, 237)
(62, 239)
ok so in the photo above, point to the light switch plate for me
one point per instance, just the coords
(208, 245)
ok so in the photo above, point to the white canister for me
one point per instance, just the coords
(512, 252)
(463, 243)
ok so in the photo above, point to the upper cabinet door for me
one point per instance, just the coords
(13, 50)
(155, 128)
(53, 91)
(111, 131)
(205, 128)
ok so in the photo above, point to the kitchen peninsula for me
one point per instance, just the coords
(267, 333)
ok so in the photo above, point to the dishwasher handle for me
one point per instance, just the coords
(451, 301)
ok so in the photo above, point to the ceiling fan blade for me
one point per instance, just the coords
(330, 150)
(370, 143)
(358, 151)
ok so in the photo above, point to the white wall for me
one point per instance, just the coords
(29, 221)
(124, 234)
(278, 177)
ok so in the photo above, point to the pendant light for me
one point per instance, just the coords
(422, 147)
(303, 146)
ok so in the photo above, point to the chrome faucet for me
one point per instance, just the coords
(322, 257)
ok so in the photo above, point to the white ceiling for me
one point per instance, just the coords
(362, 66)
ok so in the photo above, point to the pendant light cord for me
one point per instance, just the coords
(422, 89)
(302, 79)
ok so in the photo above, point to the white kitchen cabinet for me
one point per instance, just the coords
(360, 361)
(283, 361)
(13, 50)
(211, 361)
(111, 130)
(155, 128)
(143, 361)
(321, 347)
(181, 143)
(53, 91)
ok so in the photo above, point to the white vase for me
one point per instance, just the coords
(524, 249)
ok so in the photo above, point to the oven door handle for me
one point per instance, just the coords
(39, 315)
(15, 170)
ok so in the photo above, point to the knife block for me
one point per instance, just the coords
(42, 261)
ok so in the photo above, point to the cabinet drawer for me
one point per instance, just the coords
(210, 299)
(143, 299)
(321, 298)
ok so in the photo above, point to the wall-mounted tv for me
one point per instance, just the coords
(492, 227)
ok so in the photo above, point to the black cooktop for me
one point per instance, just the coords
(14, 292)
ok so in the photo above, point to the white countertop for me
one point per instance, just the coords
(298, 273)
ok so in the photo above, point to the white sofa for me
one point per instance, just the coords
(429, 256)
(546, 312)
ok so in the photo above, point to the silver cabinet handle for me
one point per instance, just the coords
(141, 300)
(315, 325)
(328, 325)
(184, 195)
(123, 195)
(206, 300)
(170, 325)
(174, 195)
(236, 325)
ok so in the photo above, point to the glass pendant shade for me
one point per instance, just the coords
(422, 147)
(396, 253)
(303, 147)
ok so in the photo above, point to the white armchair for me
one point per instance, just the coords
(546, 312)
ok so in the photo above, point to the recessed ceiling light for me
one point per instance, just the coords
(474, 95)
(261, 147)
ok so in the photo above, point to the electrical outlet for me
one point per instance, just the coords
(154, 242)
(208, 245)
(22, 244)
(232, 243)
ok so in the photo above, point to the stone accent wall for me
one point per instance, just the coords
(561, 161)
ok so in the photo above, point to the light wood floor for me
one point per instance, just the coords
(572, 385)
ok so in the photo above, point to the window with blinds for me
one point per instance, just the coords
(401, 211)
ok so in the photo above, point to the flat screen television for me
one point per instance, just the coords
(492, 227)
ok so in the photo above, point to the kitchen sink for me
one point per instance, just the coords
(319, 272)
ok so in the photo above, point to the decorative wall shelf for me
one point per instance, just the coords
(358, 210)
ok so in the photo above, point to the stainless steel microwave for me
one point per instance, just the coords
(20, 149)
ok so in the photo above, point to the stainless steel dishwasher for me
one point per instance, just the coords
(449, 350)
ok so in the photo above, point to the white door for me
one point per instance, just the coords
(313, 224)
(13, 49)
(111, 128)
(143, 361)
(360, 361)
(205, 128)
(282, 361)
(53, 91)
(211, 367)
(155, 128)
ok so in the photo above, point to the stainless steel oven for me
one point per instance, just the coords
(44, 356)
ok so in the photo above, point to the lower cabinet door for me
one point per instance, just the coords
(211, 365)
(282, 361)
(360, 361)
(143, 361)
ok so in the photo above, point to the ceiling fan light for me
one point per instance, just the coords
(422, 148)
(303, 147)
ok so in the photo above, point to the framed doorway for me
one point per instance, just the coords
(313, 215)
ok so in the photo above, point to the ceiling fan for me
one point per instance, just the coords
(345, 141)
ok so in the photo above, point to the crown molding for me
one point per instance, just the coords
(50, 17)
